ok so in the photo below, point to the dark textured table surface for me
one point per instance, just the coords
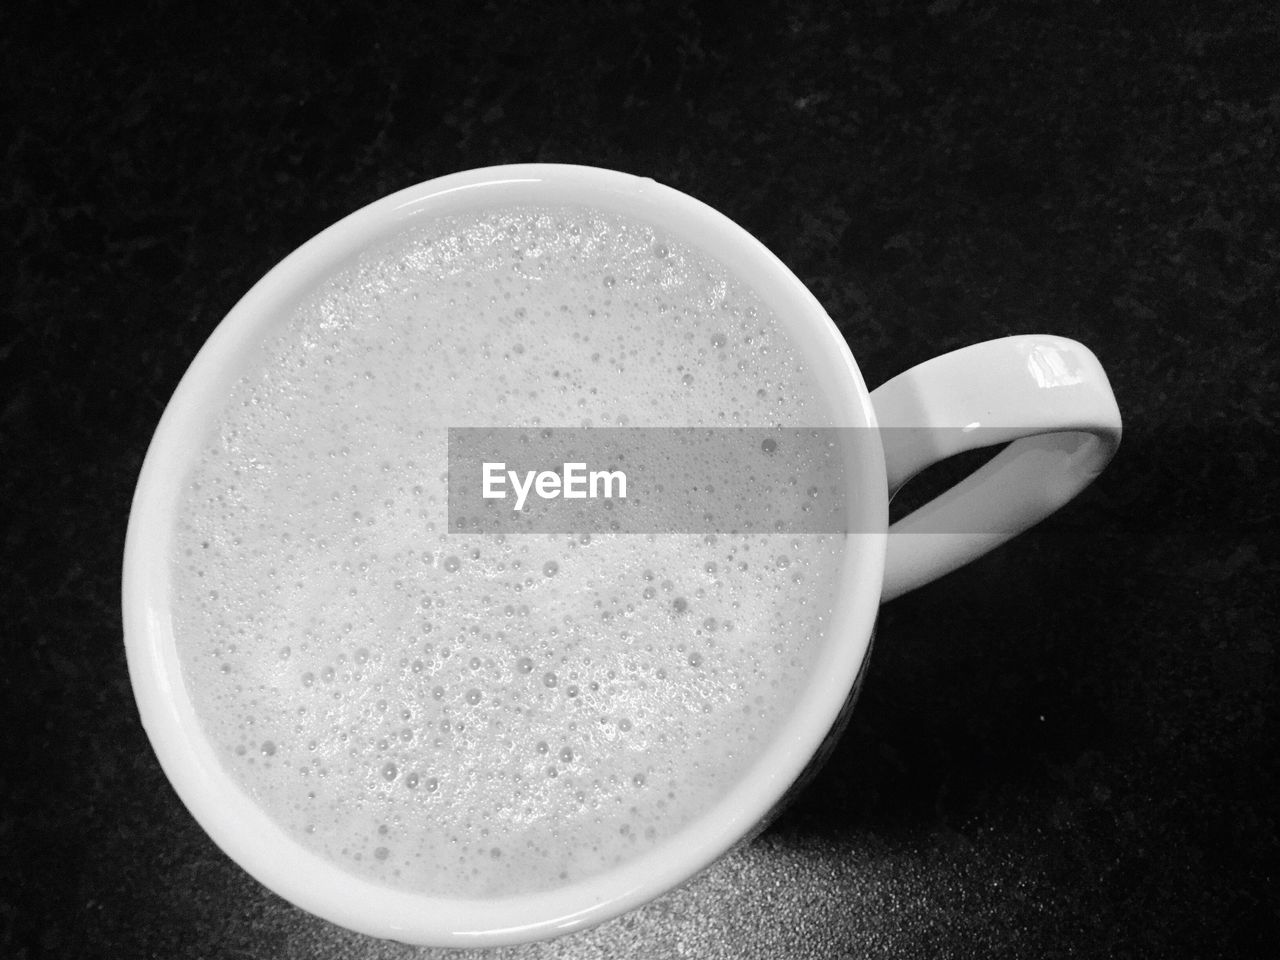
(1066, 749)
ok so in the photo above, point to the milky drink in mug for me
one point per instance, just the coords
(481, 715)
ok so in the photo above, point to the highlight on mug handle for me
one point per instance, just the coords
(1047, 397)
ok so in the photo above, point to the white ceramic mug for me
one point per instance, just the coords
(1048, 395)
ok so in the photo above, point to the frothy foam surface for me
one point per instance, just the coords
(486, 715)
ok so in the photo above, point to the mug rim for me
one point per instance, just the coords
(223, 808)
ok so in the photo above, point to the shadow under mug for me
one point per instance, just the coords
(1046, 397)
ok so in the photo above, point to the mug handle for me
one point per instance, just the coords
(1047, 397)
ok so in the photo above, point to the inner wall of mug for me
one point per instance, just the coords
(235, 821)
